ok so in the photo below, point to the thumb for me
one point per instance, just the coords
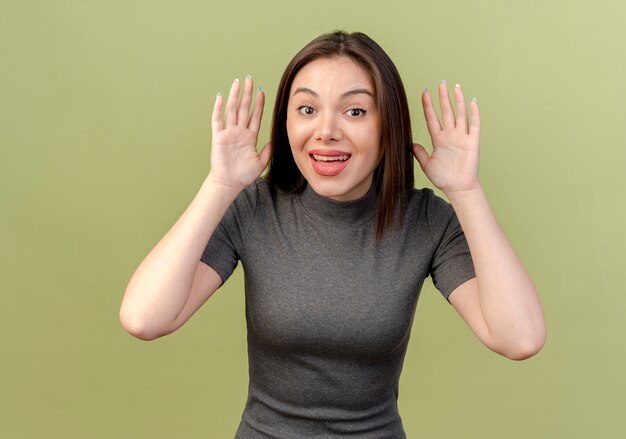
(266, 154)
(420, 154)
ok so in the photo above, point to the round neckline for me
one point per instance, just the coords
(352, 212)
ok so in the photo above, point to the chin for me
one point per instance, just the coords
(331, 188)
(334, 194)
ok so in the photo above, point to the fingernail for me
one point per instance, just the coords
(425, 89)
(260, 89)
(474, 99)
(248, 76)
(218, 94)
(236, 80)
(443, 81)
(457, 85)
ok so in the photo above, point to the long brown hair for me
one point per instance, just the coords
(393, 176)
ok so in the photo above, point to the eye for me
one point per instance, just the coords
(306, 110)
(356, 112)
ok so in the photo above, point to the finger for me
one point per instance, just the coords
(216, 116)
(432, 120)
(266, 154)
(244, 105)
(474, 130)
(257, 111)
(447, 113)
(461, 111)
(230, 116)
(420, 154)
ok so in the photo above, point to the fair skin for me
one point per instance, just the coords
(500, 305)
(333, 125)
(171, 283)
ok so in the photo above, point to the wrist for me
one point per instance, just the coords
(462, 196)
(222, 186)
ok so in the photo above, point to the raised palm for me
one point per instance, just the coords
(235, 161)
(453, 164)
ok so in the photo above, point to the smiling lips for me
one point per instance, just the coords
(329, 162)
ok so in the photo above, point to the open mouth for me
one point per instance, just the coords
(329, 163)
(327, 158)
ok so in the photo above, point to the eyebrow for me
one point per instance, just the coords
(356, 91)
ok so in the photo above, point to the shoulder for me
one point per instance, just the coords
(245, 205)
(426, 201)
(263, 190)
(262, 196)
(253, 195)
(426, 208)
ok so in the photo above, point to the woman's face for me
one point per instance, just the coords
(334, 127)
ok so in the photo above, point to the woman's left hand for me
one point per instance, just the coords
(453, 164)
(500, 305)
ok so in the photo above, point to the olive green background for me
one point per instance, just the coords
(104, 140)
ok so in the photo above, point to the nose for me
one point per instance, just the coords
(328, 128)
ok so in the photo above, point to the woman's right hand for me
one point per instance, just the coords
(235, 162)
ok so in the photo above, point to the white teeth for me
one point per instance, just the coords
(325, 158)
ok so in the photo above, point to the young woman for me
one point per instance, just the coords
(336, 243)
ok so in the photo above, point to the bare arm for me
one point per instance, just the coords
(171, 283)
(500, 305)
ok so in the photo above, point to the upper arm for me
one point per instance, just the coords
(205, 282)
(466, 301)
(516, 344)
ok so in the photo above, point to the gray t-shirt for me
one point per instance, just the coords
(329, 308)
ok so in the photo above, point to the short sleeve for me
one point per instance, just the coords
(224, 248)
(452, 262)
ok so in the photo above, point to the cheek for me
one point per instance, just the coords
(297, 134)
(370, 141)
(290, 130)
(374, 142)
(295, 141)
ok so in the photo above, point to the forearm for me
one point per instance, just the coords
(160, 287)
(508, 300)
